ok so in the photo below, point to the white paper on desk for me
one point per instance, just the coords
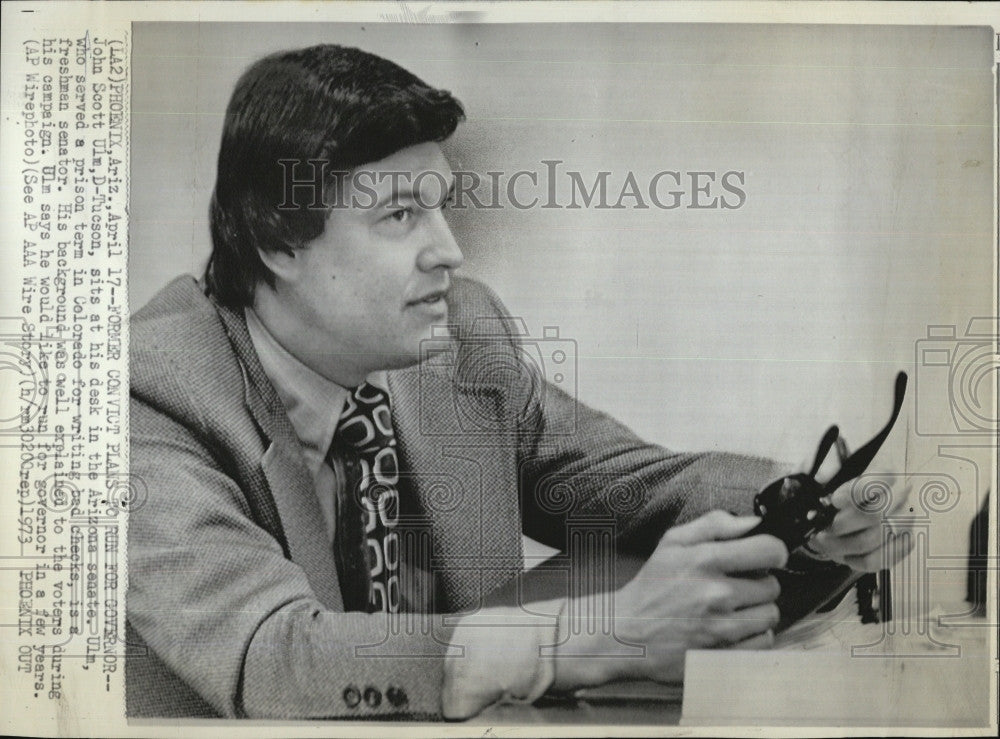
(822, 688)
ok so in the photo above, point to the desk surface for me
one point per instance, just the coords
(751, 688)
(624, 704)
(750, 677)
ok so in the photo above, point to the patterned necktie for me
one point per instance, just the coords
(367, 543)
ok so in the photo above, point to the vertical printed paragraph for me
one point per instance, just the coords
(63, 364)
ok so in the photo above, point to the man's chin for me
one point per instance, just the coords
(427, 344)
(398, 361)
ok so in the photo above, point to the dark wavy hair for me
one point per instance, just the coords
(341, 106)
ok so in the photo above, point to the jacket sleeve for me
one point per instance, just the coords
(582, 471)
(578, 465)
(600, 471)
(212, 594)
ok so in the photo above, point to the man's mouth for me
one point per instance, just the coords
(430, 298)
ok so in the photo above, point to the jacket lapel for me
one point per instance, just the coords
(295, 496)
(291, 492)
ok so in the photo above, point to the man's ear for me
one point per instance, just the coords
(286, 264)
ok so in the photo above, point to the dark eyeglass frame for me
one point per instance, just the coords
(797, 507)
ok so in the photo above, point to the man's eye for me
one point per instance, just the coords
(402, 215)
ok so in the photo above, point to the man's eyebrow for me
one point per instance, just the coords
(408, 193)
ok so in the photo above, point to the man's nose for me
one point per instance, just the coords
(441, 249)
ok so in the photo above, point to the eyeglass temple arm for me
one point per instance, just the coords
(858, 462)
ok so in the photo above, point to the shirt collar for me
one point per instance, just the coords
(313, 403)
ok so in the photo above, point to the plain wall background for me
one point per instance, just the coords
(868, 161)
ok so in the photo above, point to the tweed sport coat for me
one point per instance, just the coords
(234, 608)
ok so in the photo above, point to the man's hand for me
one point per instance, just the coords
(859, 535)
(702, 587)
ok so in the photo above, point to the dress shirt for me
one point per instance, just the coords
(500, 663)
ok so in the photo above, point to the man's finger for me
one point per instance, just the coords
(859, 543)
(850, 521)
(747, 622)
(853, 518)
(729, 594)
(854, 515)
(753, 591)
(713, 526)
(867, 495)
(762, 552)
(760, 641)
(883, 557)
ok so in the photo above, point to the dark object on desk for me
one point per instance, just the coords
(617, 704)
(796, 507)
(820, 590)
(874, 597)
(632, 691)
(865, 587)
(816, 590)
(979, 546)
(885, 595)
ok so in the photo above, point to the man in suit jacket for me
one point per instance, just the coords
(324, 290)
